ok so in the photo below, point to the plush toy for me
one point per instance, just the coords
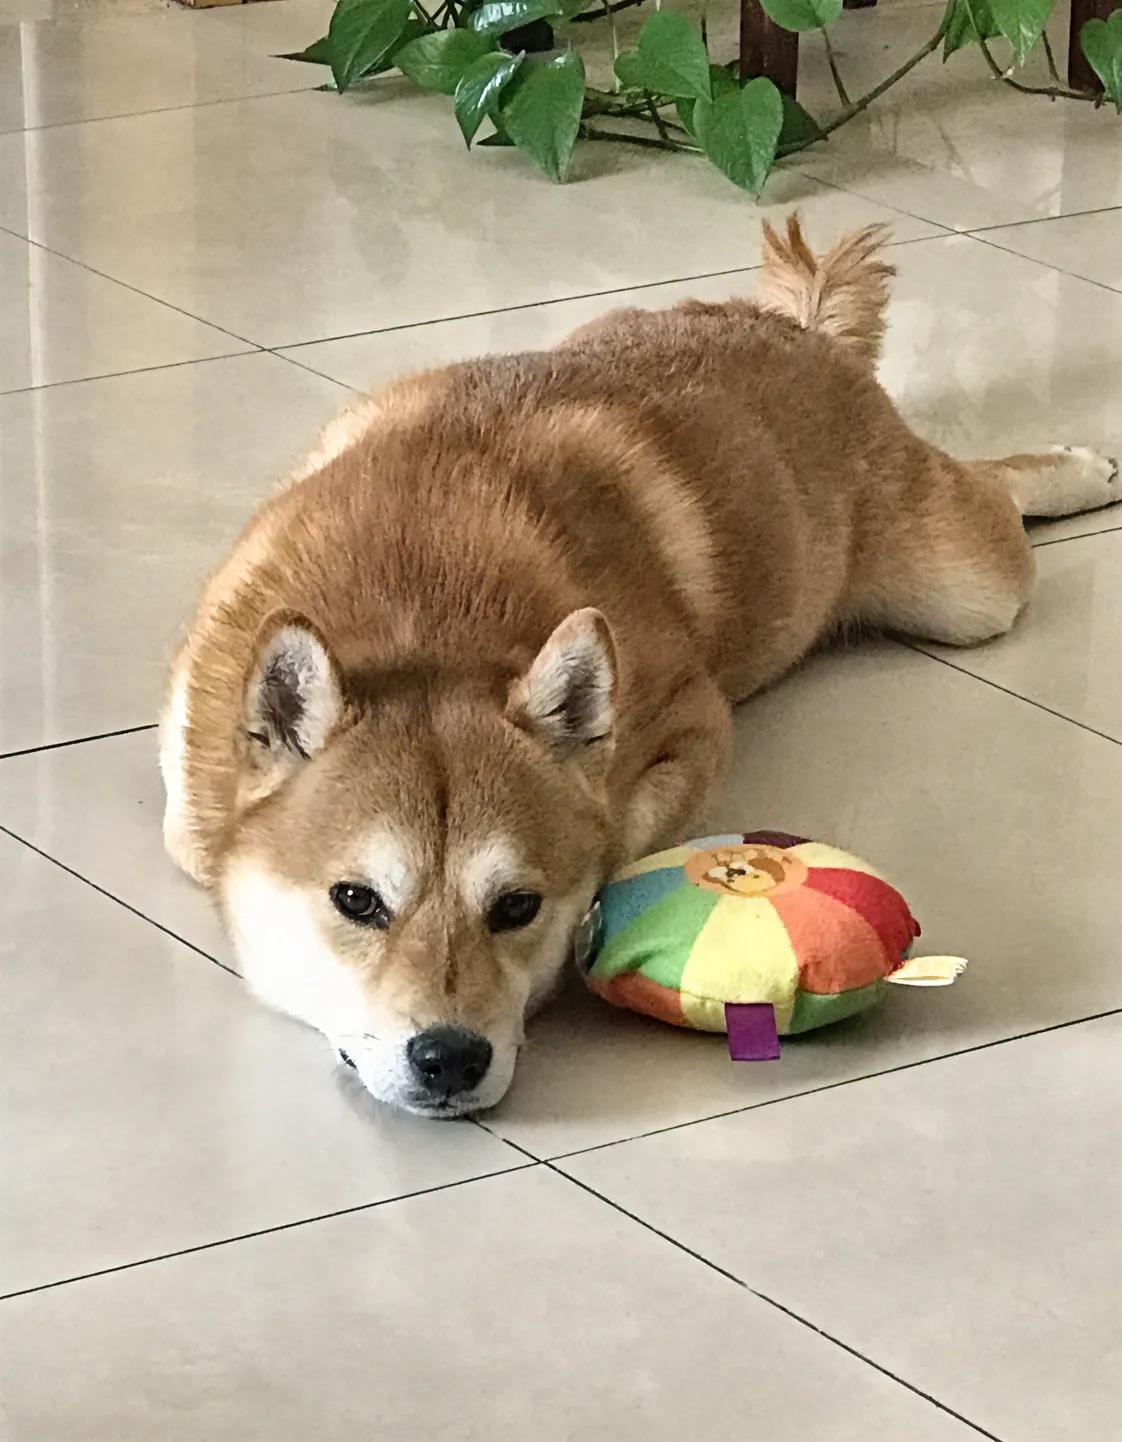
(759, 934)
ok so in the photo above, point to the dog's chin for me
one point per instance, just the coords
(383, 1069)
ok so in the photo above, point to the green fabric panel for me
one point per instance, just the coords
(659, 940)
(812, 1011)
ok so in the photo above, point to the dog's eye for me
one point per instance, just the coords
(361, 904)
(514, 910)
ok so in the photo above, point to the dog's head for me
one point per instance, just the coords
(415, 850)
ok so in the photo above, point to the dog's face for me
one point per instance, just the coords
(411, 864)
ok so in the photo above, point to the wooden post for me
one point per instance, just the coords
(1080, 76)
(767, 49)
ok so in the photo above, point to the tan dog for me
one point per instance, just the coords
(483, 648)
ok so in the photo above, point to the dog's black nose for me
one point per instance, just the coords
(447, 1060)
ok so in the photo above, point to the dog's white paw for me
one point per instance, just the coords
(1079, 479)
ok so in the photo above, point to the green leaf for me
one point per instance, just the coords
(541, 111)
(499, 16)
(1021, 22)
(437, 62)
(739, 132)
(670, 60)
(360, 33)
(479, 90)
(799, 127)
(1102, 44)
(721, 79)
(802, 14)
(317, 53)
(961, 30)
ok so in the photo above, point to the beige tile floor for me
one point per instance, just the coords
(908, 1228)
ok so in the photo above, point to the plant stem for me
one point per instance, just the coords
(1052, 71)
(588, 133)
(609, 11)
(839, 85)
(660, 124)
(586, 15)
(855, 107)
(422, 13)
(1054, 92)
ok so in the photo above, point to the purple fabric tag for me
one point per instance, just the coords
(752, 1033)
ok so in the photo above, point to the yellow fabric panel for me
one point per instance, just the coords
(742, 953)
(817, 853)
(702, 1012)
(676, 856)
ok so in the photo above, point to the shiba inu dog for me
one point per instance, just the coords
(483, 647)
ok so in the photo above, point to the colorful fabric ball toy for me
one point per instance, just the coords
(759, 934)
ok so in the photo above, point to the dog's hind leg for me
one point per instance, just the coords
(949, 560)
(1062, 481)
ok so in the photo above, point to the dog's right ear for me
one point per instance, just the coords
(293, 696)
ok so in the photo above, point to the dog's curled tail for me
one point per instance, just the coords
(842, 292)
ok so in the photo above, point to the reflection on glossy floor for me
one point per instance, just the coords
(909, 1227)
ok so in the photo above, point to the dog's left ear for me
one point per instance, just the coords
(567, 697)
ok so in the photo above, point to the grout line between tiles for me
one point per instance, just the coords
(49, 250)
(771, 1302)
(1016, 695)
(510, 309)
(54, 861)
(830, 1086)
(263, 1232)
(78, 740)
(136, 371)
(285, 350)
(1082, 536)
(980, 230)
(984, 239)
(165, 109)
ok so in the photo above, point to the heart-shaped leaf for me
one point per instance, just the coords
(499, 16)
(479, 90)
(799, 127)
(739, 132)
(720, 80)
(1021, 22)
(541, 110)
(317, 53)
(802, 14)
(438, 62)
(670, 60)
(962, 30)
(1102, 44)
(361, 32)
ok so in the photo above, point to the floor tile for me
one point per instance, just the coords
(856, 748)
(444, 1316)
(1064, 653)
(64, 323)
(1086, 245)
(958, 1222)
(149, 1105)
(85, 60)
(119, 496)
(112, 835)
(309, 216)
(948, 143)
(959, 311)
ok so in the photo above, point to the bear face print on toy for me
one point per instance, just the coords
(760, 934)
